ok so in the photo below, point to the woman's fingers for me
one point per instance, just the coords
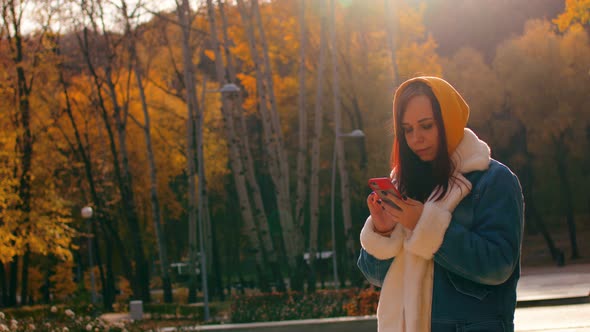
(376, 206)
(399, 202)
(378, 209)
(413, 201)
(391, 210)
(372, 204)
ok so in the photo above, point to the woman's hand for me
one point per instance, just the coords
(409, 211)
(383, 222)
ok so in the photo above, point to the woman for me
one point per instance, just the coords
(448, 259)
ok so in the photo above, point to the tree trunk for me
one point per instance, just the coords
(251, 229)
(3, 286)
(141, 278)
(22, 123)
(184, 13)
(390, 27)
(561, 154)
(108, 291)
(314, 197)
(278, 167)
(217, 263)
(214, 262)
(142, 275)
(154, 199)
(302, 151)
(587, 167)
(202, 186)
(274, 114)
(532, 214)
(248, 164)
(344, 184)
(97, 255)
(105, 222)
(24, 288)
(13, 283)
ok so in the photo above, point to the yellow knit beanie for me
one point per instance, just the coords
(454, 110)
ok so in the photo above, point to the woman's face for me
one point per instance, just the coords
(419, 128)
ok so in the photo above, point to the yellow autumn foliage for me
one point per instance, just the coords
(576, 12)
(62, 280)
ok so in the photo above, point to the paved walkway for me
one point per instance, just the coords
(554, 283)
(575, 317)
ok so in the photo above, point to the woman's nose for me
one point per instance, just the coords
(416, 137)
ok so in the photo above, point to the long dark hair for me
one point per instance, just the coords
(417, 178)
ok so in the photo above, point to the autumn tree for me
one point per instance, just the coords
(36, 220)
(494, 120)
(552, 112)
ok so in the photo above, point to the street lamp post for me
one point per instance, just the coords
(226, 88)
(87, 214)
(357, 133)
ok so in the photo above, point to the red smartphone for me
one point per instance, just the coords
(382, 185)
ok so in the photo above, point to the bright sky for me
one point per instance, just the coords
(34, 16)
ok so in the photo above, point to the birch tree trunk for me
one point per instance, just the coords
(302, 151)
(213, 261)
(154, 199)
(390, 27)
(184, 14)
(248, 163)
(314, 196)
(250, 227)
(344, 184)
(278, 167)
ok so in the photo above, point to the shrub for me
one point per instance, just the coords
(291, 305)
(54, 319)
(177, 311)
(364, 303)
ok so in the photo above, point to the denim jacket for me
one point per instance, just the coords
(477, 267)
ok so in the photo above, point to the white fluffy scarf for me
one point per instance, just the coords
(405, 303)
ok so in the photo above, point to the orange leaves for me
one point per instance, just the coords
(418, 59)
(210, 54)
(62, 281)
(10, 244)
(576, 12)
(249, 83)
(546, 78)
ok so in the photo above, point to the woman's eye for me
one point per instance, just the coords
(407, 130)
(427, 126)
